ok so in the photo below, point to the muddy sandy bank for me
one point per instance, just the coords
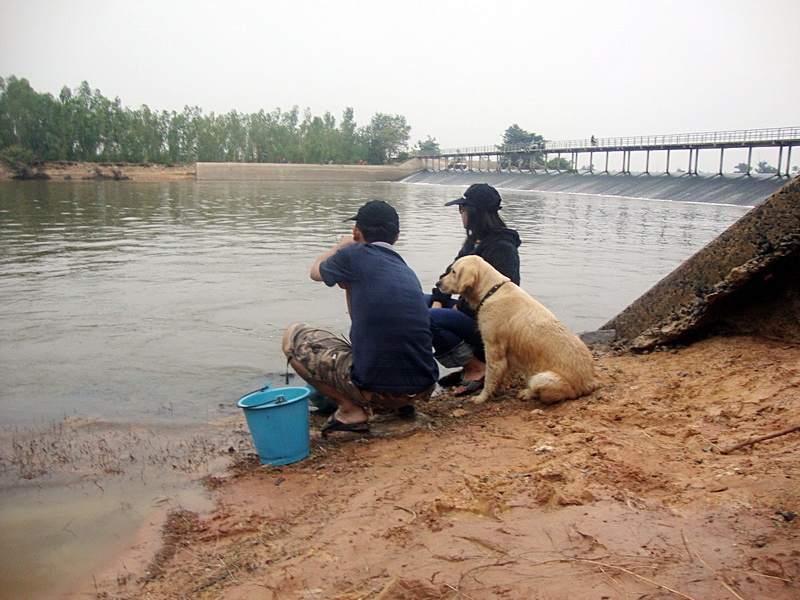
(626, 493)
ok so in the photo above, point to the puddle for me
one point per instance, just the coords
(75, 504)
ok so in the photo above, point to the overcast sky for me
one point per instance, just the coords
(460, 72)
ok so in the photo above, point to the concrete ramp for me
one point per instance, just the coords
(732, 189)
(746, 281)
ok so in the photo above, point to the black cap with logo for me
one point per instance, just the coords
(377, 214)
(480, 195)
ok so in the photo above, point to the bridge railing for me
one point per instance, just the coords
(743, 136)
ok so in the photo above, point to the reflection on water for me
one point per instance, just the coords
(159, 305)
(128, 301)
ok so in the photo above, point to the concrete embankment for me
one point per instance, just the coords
(729, 189)
(746, 281)
(298, 172)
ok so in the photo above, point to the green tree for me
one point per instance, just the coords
(235, 136)
(21, 161)
(428, 147)
(180, 140)
(765, 167)
(741, 168)
(517, 136)
(386, 136)
(23, 117)
(260, 138)
(559, 164)
(318, 138)
(82, 124)
(521, 143)
(287, 136)
(352, 146)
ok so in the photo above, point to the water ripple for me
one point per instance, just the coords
(118, 299)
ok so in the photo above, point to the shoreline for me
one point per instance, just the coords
(638, 468)
(107, 171)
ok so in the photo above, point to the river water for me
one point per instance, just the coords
(157, 305)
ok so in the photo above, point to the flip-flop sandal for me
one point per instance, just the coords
(334, 424)
(470, 387)
(452, 379)
(408, 412)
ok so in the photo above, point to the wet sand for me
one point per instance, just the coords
(623, 493)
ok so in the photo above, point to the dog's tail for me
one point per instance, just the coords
(549, 387)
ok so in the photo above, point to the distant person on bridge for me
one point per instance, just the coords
(456, 339)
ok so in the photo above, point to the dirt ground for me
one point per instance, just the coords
(78, 171)
(624, 494)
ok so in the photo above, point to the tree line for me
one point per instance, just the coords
(82, 125)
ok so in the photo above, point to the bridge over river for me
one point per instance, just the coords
(679, 153)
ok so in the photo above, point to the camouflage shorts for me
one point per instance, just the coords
(328, 358)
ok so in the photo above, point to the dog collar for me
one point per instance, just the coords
(489, 293)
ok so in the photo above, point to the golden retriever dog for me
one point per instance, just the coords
(520, 336)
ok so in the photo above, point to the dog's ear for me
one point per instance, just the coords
(465, 273)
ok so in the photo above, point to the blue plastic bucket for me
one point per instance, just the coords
(278, 422)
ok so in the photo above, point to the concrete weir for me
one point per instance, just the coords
(746, 281)
(741, 190)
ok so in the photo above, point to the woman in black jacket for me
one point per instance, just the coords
(456, 340)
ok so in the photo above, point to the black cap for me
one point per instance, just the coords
(479, 195)
(377, 214)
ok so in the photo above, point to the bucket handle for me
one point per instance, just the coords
(267, 385)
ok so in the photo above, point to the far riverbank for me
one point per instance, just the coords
(83, 171)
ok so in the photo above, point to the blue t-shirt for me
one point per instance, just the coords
(390, 329)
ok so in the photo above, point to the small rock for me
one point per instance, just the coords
(460, 412)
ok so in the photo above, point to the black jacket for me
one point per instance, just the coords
(499, 249)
